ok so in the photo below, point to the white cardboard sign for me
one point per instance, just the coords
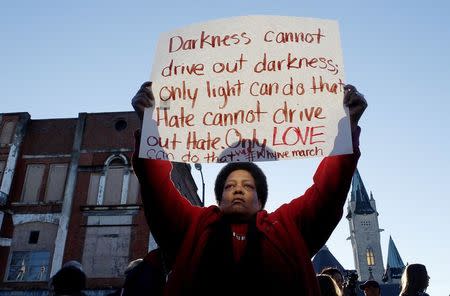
(250, 88)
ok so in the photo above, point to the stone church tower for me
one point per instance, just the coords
(365, 232)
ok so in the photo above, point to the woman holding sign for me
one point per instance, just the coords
(238, 248)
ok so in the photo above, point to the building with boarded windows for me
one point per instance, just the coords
(68, 192)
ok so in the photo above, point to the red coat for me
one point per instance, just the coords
(292, 234)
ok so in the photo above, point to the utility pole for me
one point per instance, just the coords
(198, 166)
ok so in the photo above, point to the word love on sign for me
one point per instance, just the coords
(250, 88)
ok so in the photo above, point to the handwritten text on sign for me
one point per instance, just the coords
(248, 89)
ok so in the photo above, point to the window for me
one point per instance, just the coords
(7, 133)
(370, 257)
(29, 266)
(120, 125)
(33, 181)
(106, 250)
(93, 189)
(31, 248)
(133, 189)
(56, 181)
(113, 186)
(34, 237)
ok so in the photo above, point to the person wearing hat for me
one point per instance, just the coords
(371, 288)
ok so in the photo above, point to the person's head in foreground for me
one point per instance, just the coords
(328, 286)
(371, 288)
(69, 280)
(414, 280)
(335, 274)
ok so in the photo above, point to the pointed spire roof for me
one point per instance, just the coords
(394, 259)
(395, 265)
(324, 259)
(359, 196)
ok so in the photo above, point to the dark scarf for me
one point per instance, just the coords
(219, 274)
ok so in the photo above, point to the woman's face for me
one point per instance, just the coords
(239, 196)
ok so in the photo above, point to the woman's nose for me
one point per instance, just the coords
(238, 188)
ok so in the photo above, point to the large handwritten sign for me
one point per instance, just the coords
(248, 89)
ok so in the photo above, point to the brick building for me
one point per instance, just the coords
(68, 192)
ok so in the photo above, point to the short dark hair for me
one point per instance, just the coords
(253, 169)
(69, 279)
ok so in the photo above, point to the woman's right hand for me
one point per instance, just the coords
(143, 99)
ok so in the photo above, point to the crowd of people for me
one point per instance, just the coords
(414, 282)
(146, 276)
(237, 247)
